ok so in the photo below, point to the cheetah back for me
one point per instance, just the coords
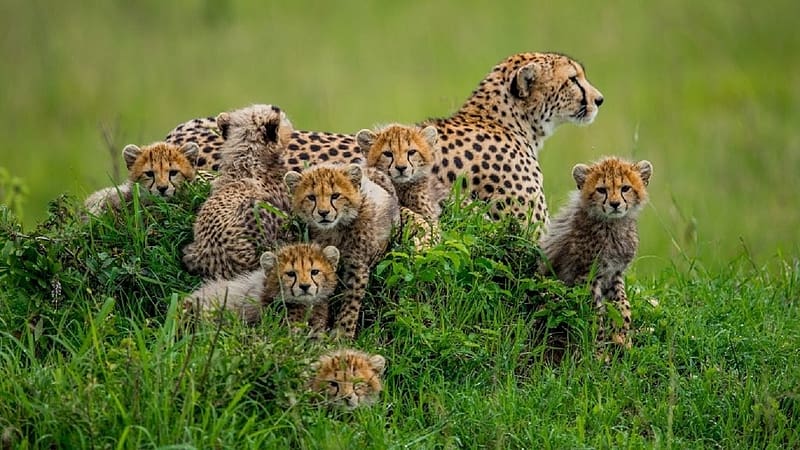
(205, 133)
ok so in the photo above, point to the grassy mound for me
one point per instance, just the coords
(481, 353)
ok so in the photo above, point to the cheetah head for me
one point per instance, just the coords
(325, 196)
(349, 378)
(302, 273)
(613, 188)
(161, 167)
(404, 153)
(550, 89)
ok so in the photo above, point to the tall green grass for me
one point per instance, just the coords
(94, 351)
(706, 91)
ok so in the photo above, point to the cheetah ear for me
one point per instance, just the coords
(291, 178)
(523, 79)
(378, 363)
(331, 254)
(645, 169)
(268, 261)
(271, 129)
(130, 153)
(579, 173)
(323, 360)
(431, 135)
(190, 151)
(353, 171)
(224, 124)
(365, 138)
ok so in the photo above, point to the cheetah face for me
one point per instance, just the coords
(612, 189)
(349, 378)
(406, 154)
(306, 273)
(326, 197)
(553, 88)
(161, 168)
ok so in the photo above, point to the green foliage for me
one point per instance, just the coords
(12, 192)
(132, 256)
(481, 351)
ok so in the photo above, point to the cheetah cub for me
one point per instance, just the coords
(407, 154)
(349, 378)
(596, 233)
(238, 220)
(160, 168)
(350, 211)
(303, 276)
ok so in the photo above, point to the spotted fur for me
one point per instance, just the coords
(349, 378)
(407, 155)
(350, 211)
(302, 276)
(238, 221)
(596, 233)
(159, 168)
(493, 140)
(206, 135)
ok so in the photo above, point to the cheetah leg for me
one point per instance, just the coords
(355, 286)
(319, 317)
(621, 335)
(424, 234)
(600, 307)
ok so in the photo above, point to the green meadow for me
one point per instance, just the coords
(481, 353)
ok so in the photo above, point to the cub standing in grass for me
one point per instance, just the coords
(241, 217)
(160, 168)
(407, 154)
(350, 211)
(349, 378)
(596, 234)
(303, 276)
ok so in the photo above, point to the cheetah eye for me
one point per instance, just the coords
(311, 197)
(314, 272)
(173, 173)
(148, 173)
(333, 385)
(574, 79)
(412, 152)
(387, 154)
(626, 188)
(601, 190)
(291, 274)
(336, 195)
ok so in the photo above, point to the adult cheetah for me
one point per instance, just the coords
(493, 140)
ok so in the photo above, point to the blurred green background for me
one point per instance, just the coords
(708, 91)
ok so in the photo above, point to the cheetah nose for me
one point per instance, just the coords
(163, 189)
(401, 169)
(599, 101)
(305, 287)
(324, 213)
(614, 205)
